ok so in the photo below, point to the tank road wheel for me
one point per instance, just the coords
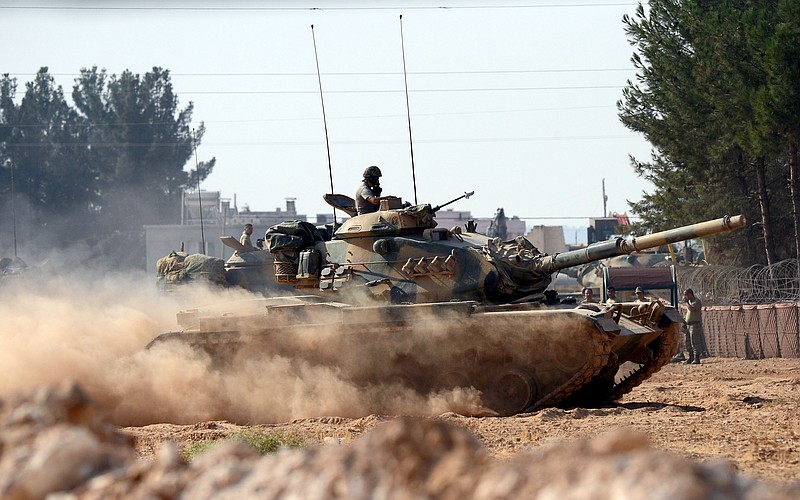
(511, 392)
(452, 379)
(568, 359)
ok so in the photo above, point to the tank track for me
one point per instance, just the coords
(667, 347)
(217, 343)
(598, 362)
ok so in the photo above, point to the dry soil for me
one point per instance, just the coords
(743, 411)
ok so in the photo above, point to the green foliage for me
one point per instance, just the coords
(264, 443)
(47, 149)
(191, 452)
(716, 94)
(141, 139)
(269, 442)
(102, 168)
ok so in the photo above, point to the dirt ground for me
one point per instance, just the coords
(743, 411)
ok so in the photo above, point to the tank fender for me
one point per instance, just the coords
(670, 316)
(607, 325)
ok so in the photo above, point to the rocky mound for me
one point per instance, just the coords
(56, 440)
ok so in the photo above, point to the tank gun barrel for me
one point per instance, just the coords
(621, 246)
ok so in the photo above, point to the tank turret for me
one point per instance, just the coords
(391, 219)
(398, 254)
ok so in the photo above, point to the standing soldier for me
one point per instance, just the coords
(694, 326)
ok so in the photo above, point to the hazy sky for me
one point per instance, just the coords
(515, 100)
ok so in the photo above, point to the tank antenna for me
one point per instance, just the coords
(324, 118)
(408, 111)
(199, 197)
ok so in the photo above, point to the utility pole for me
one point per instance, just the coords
(605, 199)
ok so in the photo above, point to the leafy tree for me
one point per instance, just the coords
(96, 172)
(8, 112)
(141, 141)
(703, 77)
(8, 89)
(777, 103)
(41, 138)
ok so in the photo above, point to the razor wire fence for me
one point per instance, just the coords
(725, 285)
(750, 313)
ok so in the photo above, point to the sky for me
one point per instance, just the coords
(514, 100)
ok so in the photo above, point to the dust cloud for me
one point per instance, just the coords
(93, 328)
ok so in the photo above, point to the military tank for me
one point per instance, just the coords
(412, 305)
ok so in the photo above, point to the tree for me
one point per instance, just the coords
(777, 103)
(8, 110)
(98, 171)
(141, 141)
(41, 138)
(702, 65)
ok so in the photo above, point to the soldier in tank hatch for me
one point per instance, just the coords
(244, 239)
(368, 195)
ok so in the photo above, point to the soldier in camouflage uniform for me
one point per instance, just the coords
(694, 326)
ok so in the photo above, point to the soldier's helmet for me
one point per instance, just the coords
(372, 172)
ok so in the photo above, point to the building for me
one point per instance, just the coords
(548, 239)
(603, 228)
